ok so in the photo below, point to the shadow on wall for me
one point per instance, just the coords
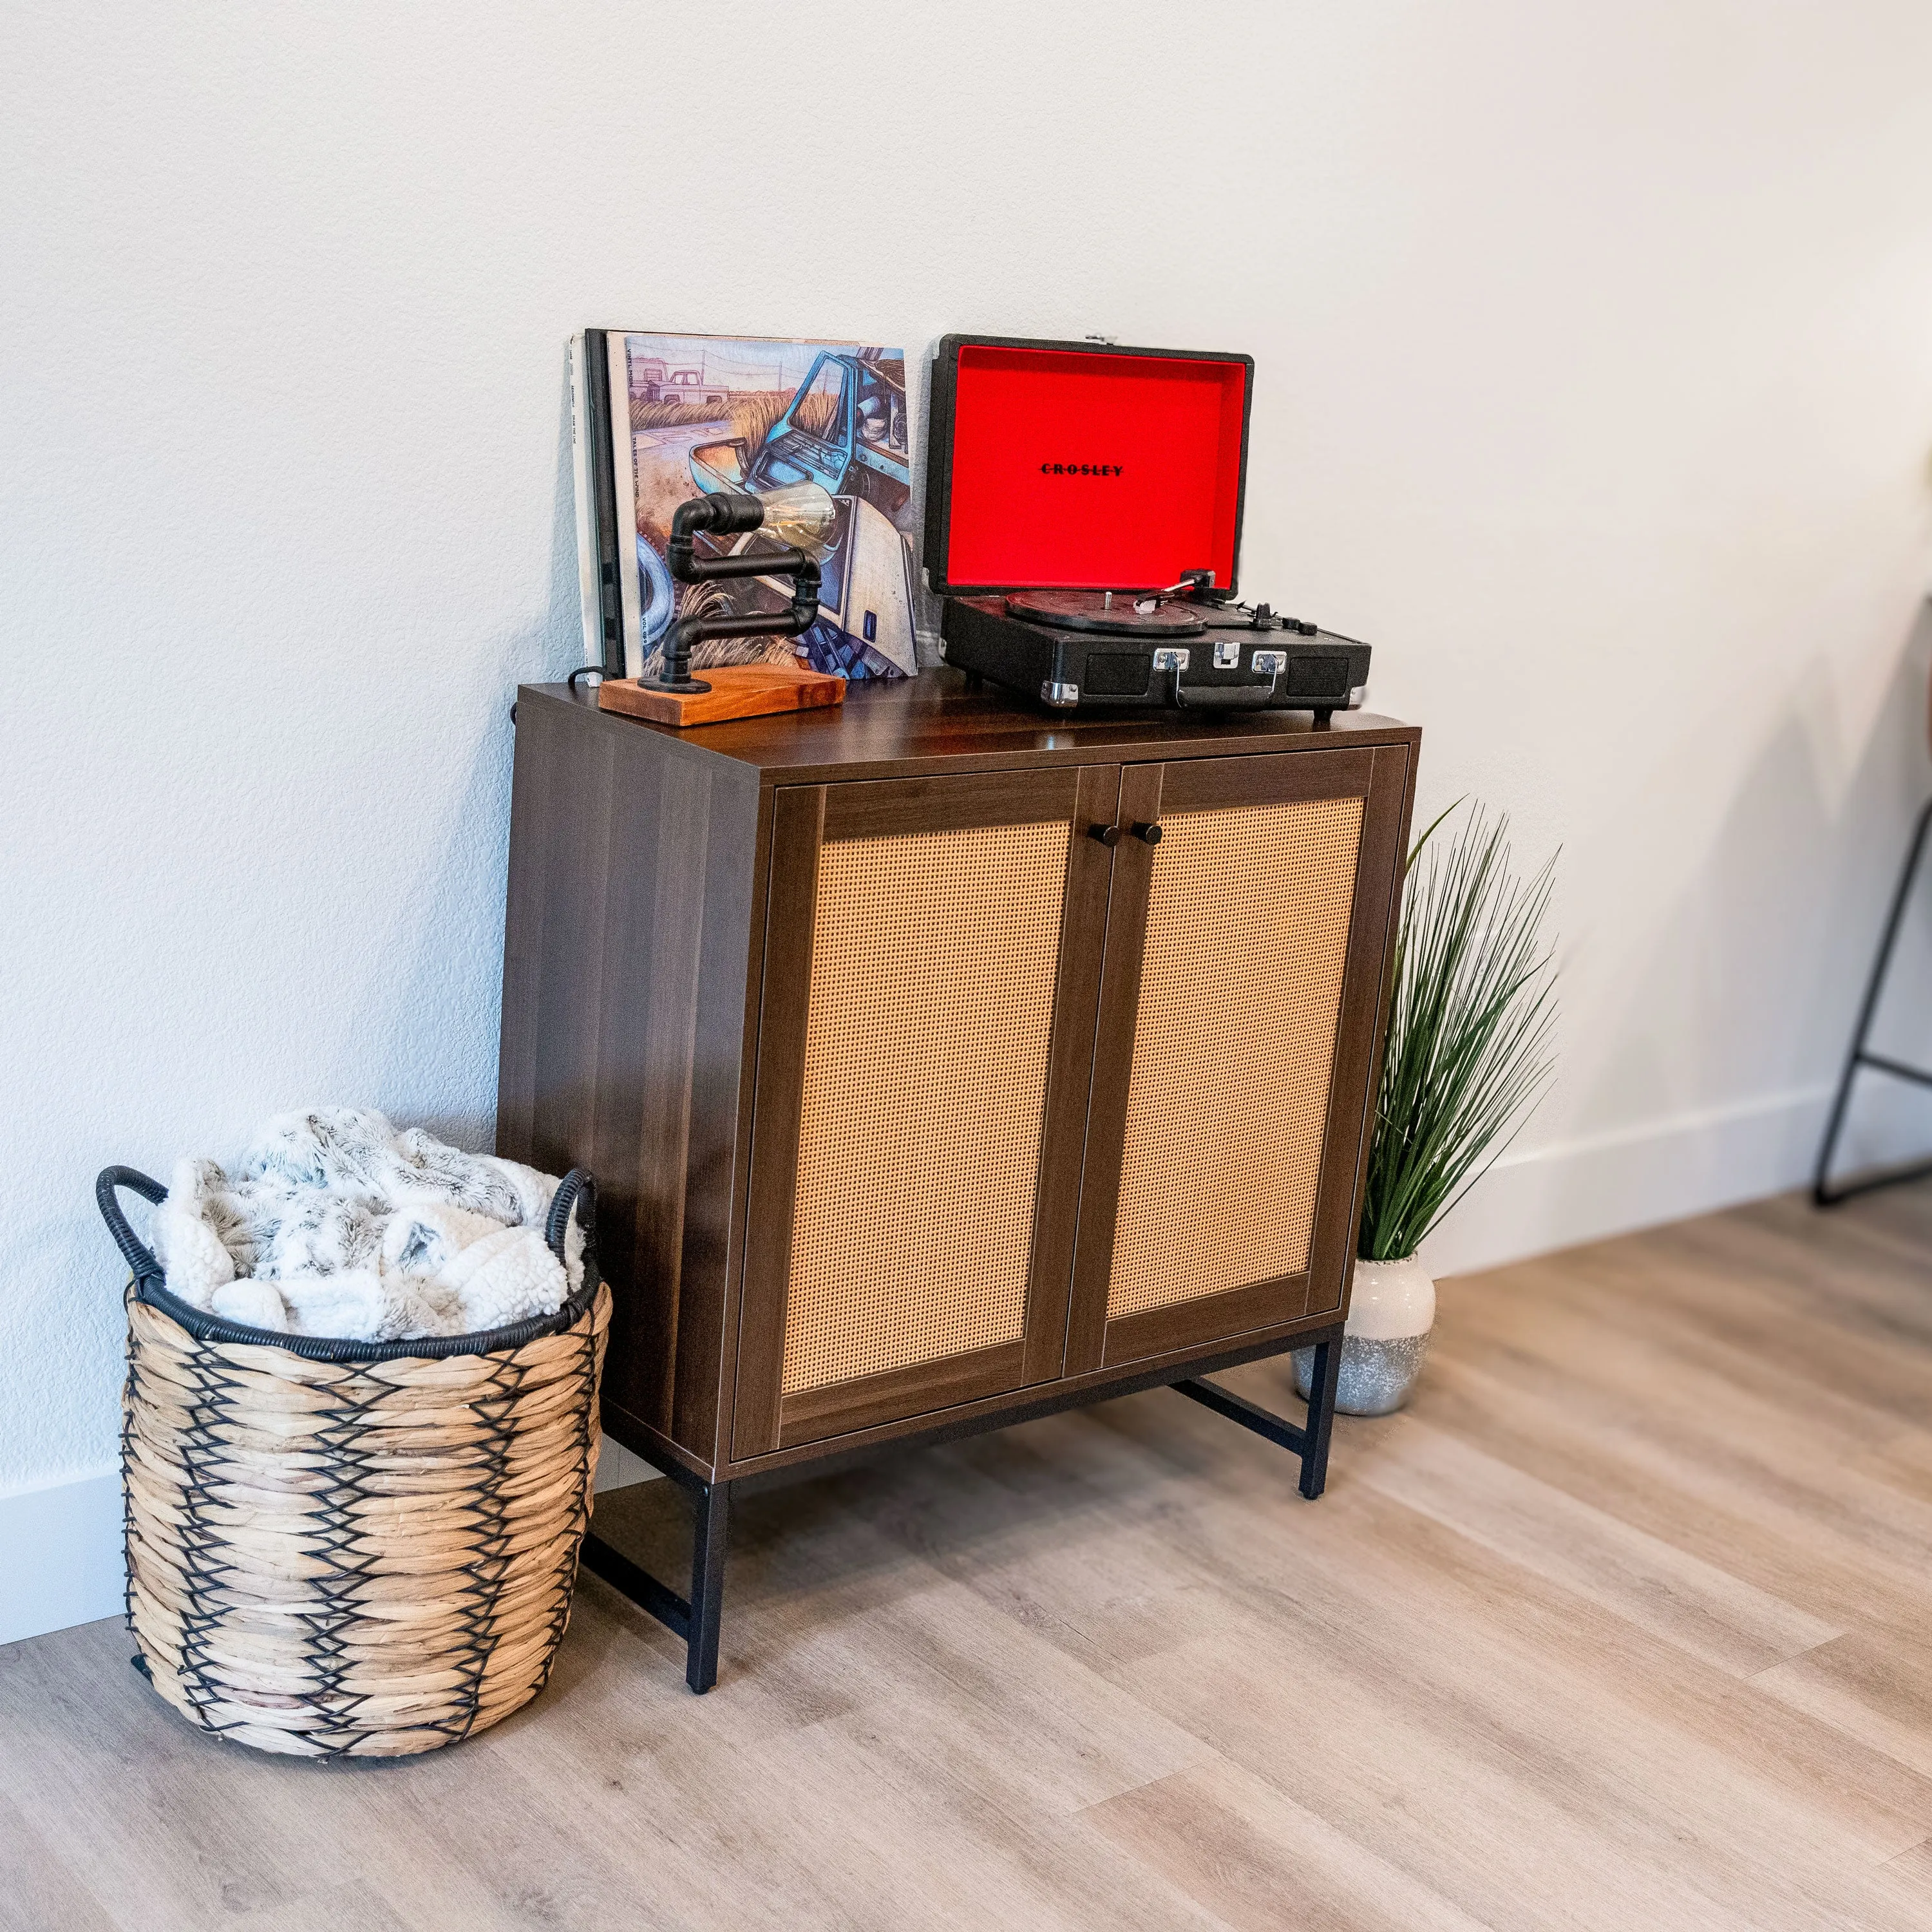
(1751, 989)
(414, 997)
(1776, 931)
(1891, 1121)
(1772, 933)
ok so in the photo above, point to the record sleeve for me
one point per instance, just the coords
(658, 418)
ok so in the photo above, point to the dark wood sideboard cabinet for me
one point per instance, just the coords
(942, 1063)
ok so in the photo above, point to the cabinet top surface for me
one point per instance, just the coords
(937, 718)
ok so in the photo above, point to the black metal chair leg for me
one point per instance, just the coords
(1822, 1192)
(712, 1533)
(1327, 1369)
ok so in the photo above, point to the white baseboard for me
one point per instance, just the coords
(1588, 1188)
(60, 1546)
(60, 1556)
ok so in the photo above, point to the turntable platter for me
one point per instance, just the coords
(1091, 611)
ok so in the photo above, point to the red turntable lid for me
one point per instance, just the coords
(1063, 466)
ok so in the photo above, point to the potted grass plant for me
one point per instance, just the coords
(1468, 1057)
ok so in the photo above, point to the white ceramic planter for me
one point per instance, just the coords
(1390, 1317)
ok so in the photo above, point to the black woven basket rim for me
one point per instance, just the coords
(577, 1191)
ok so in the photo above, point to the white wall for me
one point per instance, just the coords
(1595, 348)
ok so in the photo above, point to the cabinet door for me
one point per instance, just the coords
(1239, 1009)
(932, 967)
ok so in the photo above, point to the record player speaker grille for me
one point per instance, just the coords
(932, 973)
(1240, 992)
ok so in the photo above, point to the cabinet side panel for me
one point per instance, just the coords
(643, 959)
(532, 815)
(713, 1168)
(626, 1023)
(560, 813)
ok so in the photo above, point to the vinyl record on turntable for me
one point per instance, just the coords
(1110, 613)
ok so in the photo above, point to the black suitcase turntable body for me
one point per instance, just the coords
(1083, 524)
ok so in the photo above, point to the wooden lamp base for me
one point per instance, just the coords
(737, 691)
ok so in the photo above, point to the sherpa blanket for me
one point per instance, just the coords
(335, 1224)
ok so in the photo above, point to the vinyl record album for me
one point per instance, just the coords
(1112, 613)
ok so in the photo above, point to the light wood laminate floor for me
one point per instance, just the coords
(1627, 1623)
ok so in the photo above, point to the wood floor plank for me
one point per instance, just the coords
(1875, 1689)
(1462, 1775)
(1661, 1353)
(38, 1892)
(1064, 1527)
(905, 1709)
(1627, 1622)
(1259, 1862)
(353, 1907)
(201, 1833)
(1652, 1583)
(1458, 1624)
(846, 1821)
(1904, 1462)
(1817, 1540)
(171, 1844)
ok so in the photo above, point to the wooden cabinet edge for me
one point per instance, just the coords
(1079, 742)
(1100, 1384)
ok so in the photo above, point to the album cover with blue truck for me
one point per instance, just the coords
(659, 418)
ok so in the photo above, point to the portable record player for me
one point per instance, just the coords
(1083, 522)
(1080, 649)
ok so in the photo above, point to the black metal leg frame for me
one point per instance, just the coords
(697, 1618)
(1825, 1191)
(1309, 1442)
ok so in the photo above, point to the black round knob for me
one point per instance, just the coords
(1108, 834)
(1148, 835)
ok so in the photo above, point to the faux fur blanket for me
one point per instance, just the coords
(335, 1224)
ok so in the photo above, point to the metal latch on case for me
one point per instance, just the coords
(1171, 657)
(1276, 661)
(1228, 654)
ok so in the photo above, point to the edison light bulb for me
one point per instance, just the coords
(801, 514)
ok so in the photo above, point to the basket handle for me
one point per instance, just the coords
(576, 1189)
(134, 1251)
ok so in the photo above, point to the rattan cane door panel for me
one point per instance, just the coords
(1244, 958)
(913, 1222)
(1247, 934)
(948, 951)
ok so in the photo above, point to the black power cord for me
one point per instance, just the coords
(570, 683)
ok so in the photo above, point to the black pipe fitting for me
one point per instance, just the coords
(727, 514)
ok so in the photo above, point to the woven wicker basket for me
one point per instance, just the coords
(340, 1548)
